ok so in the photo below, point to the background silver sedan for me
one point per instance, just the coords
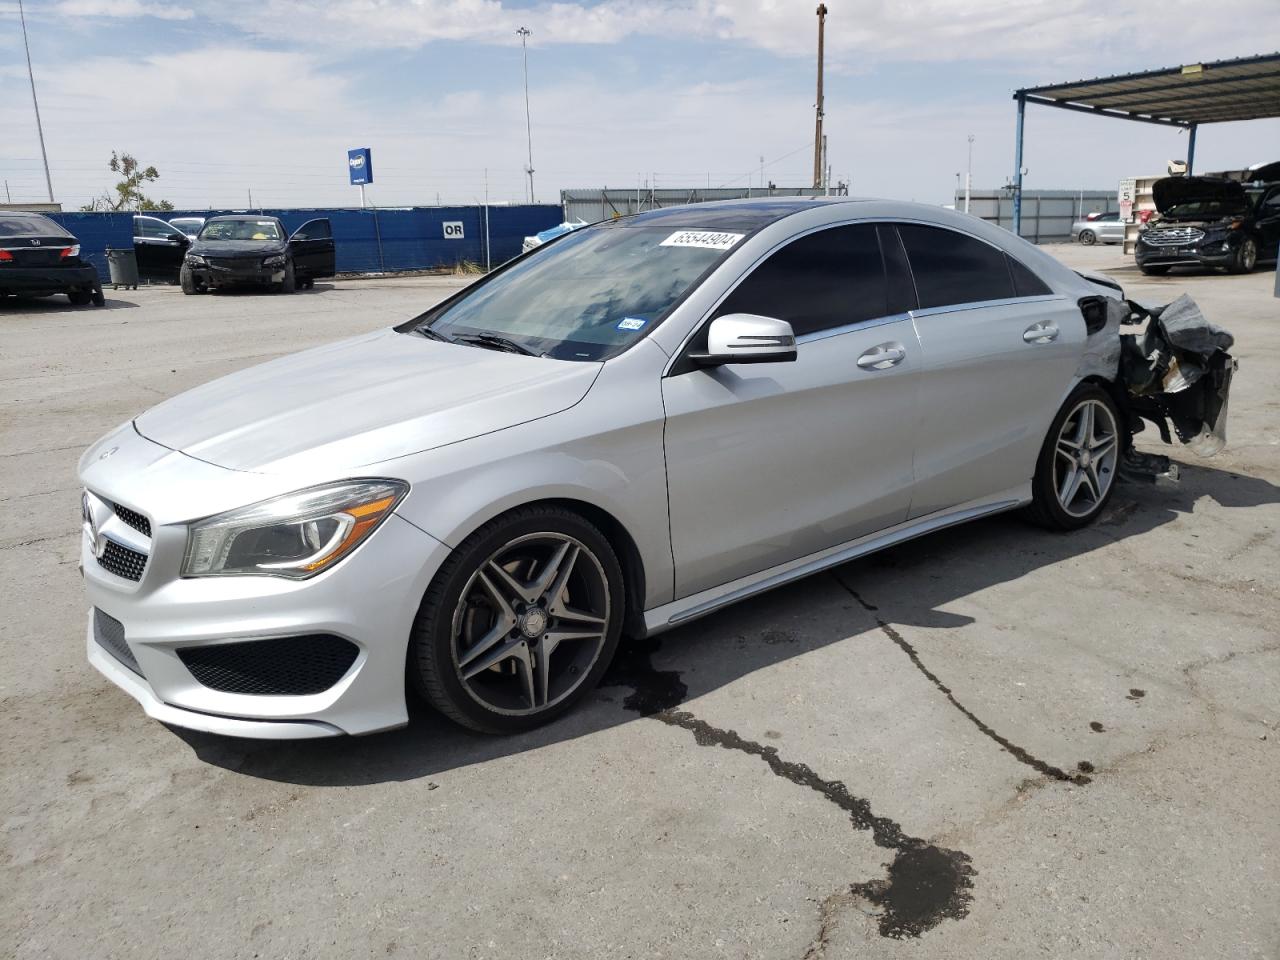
(1100, 228)
(631, 426)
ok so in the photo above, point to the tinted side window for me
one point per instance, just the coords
(151, 227)
(1026, 283)
(951, 268)
(314, 230)
(827, 279)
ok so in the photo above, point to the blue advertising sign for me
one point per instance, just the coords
(360, 165)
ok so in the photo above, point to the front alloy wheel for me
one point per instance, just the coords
(520, 623)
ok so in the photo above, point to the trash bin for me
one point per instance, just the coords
(124, 268)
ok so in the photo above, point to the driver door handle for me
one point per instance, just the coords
(1043, 332)
(882, 357)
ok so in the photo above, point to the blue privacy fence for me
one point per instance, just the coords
(367, 241)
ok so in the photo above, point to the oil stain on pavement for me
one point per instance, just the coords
(925, 883)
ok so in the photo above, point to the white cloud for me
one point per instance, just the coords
(122, 9)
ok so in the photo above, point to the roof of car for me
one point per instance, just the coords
(240, 216)
(750, 213)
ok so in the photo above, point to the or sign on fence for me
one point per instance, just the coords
(453, 230)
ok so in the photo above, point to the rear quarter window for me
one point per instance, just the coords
(953, 268)
(1025, 282)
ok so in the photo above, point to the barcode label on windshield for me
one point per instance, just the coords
(707, 239)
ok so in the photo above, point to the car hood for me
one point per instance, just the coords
(358, 402)
(1174, 190)
(238, 248)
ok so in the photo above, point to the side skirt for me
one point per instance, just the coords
(700, 604)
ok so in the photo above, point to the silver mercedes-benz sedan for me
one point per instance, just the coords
(626, 428)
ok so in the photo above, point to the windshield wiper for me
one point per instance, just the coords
(432, 334)
(492, 341)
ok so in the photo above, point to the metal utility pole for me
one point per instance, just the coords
(826, 169)
(525, 33)
(817, 129)
(48, 181)
(968, 176)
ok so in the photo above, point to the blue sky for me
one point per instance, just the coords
(227, 96)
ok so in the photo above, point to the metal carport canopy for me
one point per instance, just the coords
(1247, 88)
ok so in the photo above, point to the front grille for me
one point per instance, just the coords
(122, 561)
(235, 265)
(1173, 236)
(109, 632)
(134, 519)
(284, 666)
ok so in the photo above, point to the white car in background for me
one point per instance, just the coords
(1099, 228)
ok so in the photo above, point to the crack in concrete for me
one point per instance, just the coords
(925, 884)
(1018, 753)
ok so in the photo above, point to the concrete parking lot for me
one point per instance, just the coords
(995, 742)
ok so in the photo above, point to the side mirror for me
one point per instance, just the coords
(747, 338)
(174, 236)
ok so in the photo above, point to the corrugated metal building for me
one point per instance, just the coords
(1047, 215)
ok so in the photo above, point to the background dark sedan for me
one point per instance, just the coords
(38, 258)
(247, 249)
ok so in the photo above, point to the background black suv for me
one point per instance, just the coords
(248, 249)
(1229, 220)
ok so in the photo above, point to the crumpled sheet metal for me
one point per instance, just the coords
(1178, 371)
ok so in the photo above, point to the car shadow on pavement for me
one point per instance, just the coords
(59, 304)
(933, 572)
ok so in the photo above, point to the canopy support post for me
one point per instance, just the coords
(1017, 167)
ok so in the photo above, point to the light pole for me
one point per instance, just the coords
(525, 33)
(968, 176)
(48, 181)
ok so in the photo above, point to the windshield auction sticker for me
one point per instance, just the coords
(707, 239)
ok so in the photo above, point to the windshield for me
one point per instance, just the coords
(241, 230)
(30, 227)
(590, 294)
(1205, 208)
(186, 224)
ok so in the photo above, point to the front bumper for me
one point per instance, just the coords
(368, 600)
(249, 272)
(1215, 252)
(47, 280)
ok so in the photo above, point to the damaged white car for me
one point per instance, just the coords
(631, 426)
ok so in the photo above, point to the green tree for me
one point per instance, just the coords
(128, 193)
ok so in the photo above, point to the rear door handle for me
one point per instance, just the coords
(1043, 332)
(882, 357)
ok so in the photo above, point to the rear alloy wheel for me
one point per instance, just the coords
(1246, 257)
(1076, 472)
(520, 623)
(1088, 237)
(80, 298)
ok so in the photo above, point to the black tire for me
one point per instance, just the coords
(1046, 509)
(80, 298)
(99, 298)
(1246, 257)
(187, 281)
(1154, 269)
(432, 664)
(1088, 238)
(289, 283)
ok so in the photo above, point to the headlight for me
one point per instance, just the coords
(276, 261)
(294, 536)
(195, 258)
